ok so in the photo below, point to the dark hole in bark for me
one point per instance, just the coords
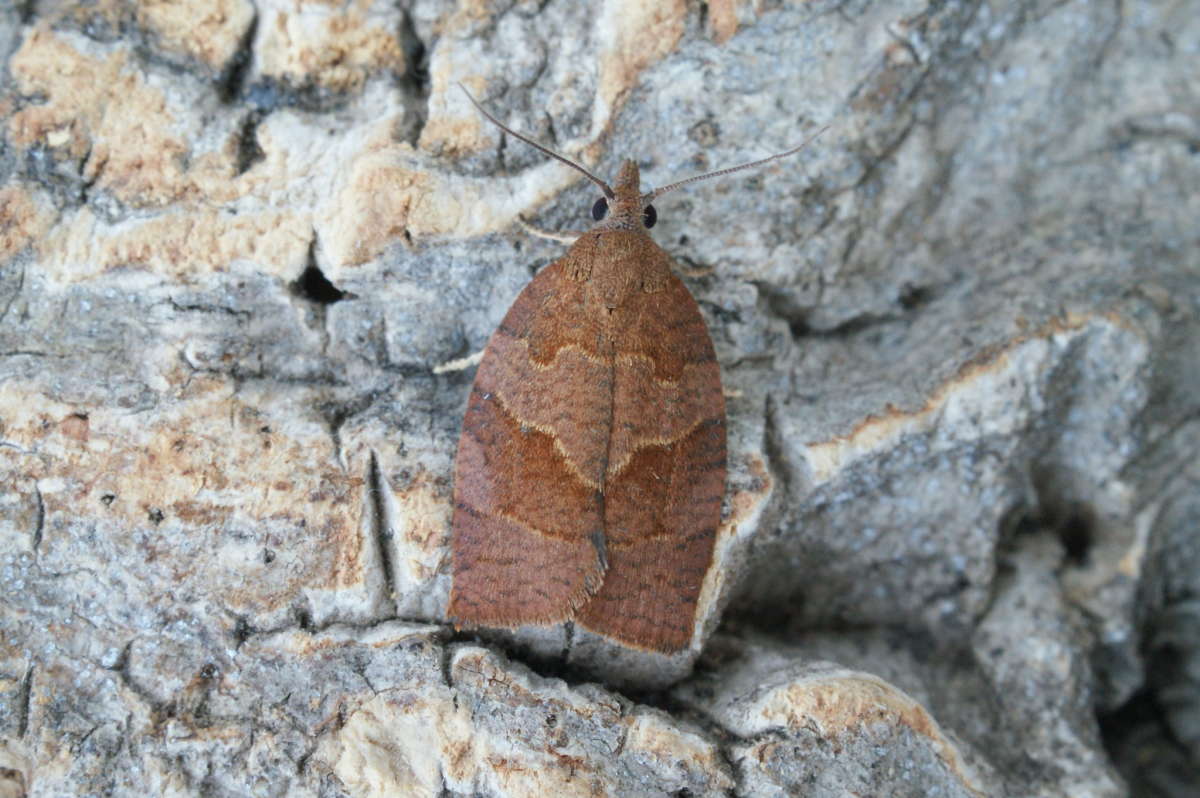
(314, 286)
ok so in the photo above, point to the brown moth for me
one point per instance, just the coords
(591, 465)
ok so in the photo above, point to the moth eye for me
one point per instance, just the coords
(600, 209)
(649, 216)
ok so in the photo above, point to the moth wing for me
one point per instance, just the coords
(666, 475)
(527, 540)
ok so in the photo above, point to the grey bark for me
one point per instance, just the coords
(240, 245)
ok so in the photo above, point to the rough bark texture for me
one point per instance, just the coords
(243, 245)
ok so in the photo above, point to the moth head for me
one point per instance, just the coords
(627, 209)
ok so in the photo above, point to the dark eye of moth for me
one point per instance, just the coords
(600, 209)
(649, 216)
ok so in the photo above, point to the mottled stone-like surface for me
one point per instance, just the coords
(248, 248)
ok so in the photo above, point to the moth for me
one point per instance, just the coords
(591, 465)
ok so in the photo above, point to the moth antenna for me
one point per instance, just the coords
(608, 192)
(658, 192)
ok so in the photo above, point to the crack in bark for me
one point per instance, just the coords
(39, 526)
(203, 307)
(232, 80)
(244, 630)
(445, 667)
(24, 701)
(773, 450)
(121, 668)
(377, 484)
